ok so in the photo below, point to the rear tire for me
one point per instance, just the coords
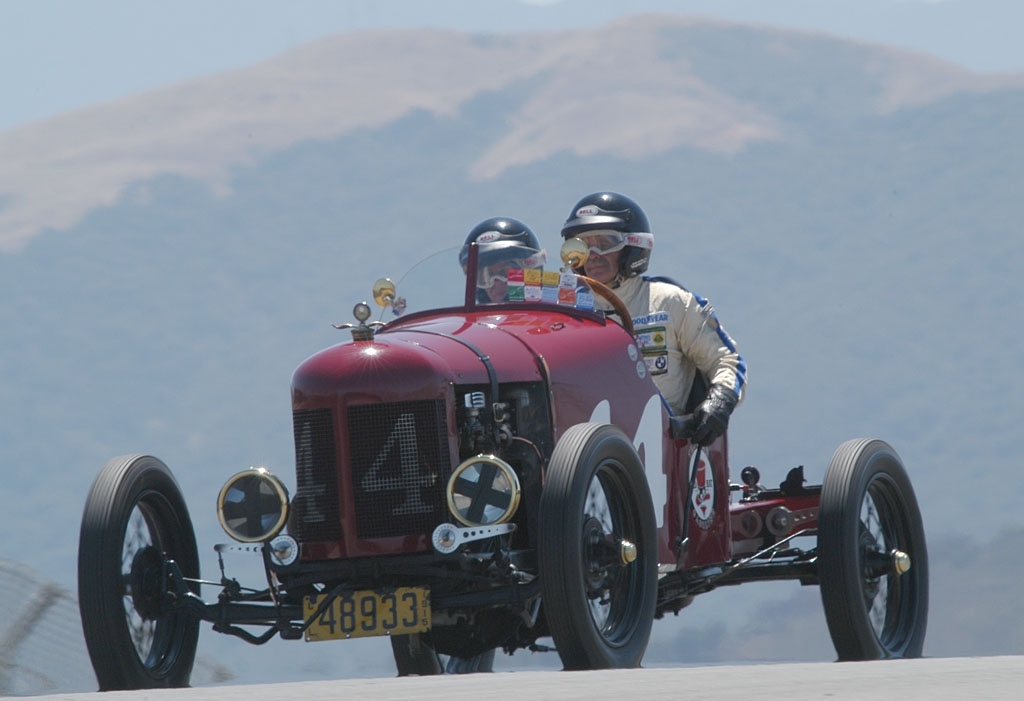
(135, 520)
(868, 513)
(598, 607)
(414, 656)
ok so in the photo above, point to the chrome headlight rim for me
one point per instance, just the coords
(514, 490)
(278, 488)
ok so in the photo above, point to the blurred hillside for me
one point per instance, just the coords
(852, 212)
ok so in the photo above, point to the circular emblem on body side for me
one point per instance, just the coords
(702, 488)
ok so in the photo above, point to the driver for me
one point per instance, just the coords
(504, 244)
(683, 344)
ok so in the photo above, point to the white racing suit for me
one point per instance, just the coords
(679, 334)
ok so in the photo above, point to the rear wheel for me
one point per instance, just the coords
(135, 520)
(872, 558)
(597, 552)
(414, 656)
(484, 662)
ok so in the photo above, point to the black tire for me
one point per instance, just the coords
(135, 517)
(599, 611)
(477, 664)
(868, 513)
(414, 656)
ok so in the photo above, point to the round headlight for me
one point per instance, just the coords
(361, 312)
(483, 490)
(253, 505)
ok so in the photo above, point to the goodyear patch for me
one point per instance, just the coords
(652, 318)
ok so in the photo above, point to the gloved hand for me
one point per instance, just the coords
(712, 415)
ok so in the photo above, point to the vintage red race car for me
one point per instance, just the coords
(486, 476)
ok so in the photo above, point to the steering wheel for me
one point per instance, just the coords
(607, 294)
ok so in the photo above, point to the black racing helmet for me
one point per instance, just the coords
(611, 211)
(503, 239)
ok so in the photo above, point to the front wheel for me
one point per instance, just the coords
(872, 558)
(597, 553)
(135, 521)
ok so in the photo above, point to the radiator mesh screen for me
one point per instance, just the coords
(400, 466)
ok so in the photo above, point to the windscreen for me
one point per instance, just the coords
(439, 281)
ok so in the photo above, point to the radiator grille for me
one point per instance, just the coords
(400, 466)
(315, 512)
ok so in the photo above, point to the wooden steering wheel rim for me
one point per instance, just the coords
(609, 296)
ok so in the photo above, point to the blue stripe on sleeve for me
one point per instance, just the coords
(741, 364)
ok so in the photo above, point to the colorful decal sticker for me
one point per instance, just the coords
(652, 339)
(657, 364)
(516, 287)
(550, 278)
(548, 286)
(702, 488)
(567, 289)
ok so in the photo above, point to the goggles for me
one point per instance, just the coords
(498, 272)
(604, 241)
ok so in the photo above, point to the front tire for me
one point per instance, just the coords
(869, 530)
(135, 519)
(599, 605)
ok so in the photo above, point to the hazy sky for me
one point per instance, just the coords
(58, 55)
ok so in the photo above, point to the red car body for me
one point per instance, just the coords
(543, 411)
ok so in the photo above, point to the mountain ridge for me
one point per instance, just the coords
(55, 171)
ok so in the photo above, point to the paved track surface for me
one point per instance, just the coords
(932, 679)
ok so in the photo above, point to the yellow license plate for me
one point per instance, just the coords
(364, 614)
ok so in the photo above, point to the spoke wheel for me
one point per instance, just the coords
(597, 552)
(414, 656)
(135, 520)
(872, 557)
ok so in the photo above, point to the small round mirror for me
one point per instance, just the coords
(574, 252)
(384, 292)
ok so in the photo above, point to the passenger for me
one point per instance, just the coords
(504, 244)
(682, 341)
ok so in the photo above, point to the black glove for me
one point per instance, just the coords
(712, 416)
